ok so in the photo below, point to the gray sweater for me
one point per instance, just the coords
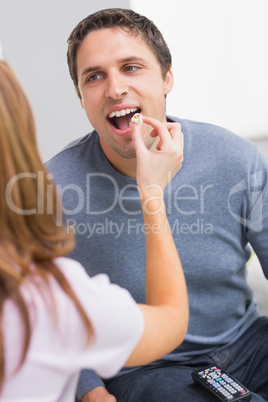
(217, 204)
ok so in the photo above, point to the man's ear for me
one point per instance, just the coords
(82, 104)
(168, 81)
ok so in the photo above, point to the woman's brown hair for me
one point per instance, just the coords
(30, 236)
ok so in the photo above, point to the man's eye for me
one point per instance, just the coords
(93, 77)
(131, 68)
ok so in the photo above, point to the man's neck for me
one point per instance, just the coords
(125, 166)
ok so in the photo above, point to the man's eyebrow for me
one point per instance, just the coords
(130, 59)
(89, 70)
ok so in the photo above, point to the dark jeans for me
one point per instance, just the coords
(246, 360)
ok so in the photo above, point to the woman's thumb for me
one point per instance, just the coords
(137, 138)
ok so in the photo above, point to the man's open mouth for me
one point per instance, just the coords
(120, 119)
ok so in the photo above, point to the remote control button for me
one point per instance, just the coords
(223, 391)
(211, 381)
(229, 380)
(237, 386)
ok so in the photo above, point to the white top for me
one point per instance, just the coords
(57, 352)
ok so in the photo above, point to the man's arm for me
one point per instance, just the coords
(90, 380)
(98, 394)
(256, 223)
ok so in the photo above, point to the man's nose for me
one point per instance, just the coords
(116, 86)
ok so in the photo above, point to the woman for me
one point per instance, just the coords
(55, 320)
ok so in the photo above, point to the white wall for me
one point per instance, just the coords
(33, 35)
(220, 60)
(219, 52)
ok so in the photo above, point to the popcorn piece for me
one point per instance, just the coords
(137, 118)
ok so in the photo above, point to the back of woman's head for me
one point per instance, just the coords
(29, 206)
(30, 236)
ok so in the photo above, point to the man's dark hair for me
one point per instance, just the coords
(128, 20)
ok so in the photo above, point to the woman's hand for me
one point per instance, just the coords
(156, 168)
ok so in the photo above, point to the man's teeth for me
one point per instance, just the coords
(122, 112)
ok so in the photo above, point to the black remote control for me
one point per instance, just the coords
(221, 384)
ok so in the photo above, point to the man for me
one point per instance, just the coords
(216, 206)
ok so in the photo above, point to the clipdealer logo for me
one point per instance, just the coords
(254, 221)
(132, 226)
(185, 200)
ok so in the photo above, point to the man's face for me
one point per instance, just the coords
(119, 75)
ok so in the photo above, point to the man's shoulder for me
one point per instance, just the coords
(220, 146)
(74, 149)
(199, 127)
(213, 135)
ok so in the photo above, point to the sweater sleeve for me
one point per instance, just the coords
(88, 380)
(256, 221)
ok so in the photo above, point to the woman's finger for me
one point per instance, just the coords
(137, 139)
(159, 129)
(162, 130)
